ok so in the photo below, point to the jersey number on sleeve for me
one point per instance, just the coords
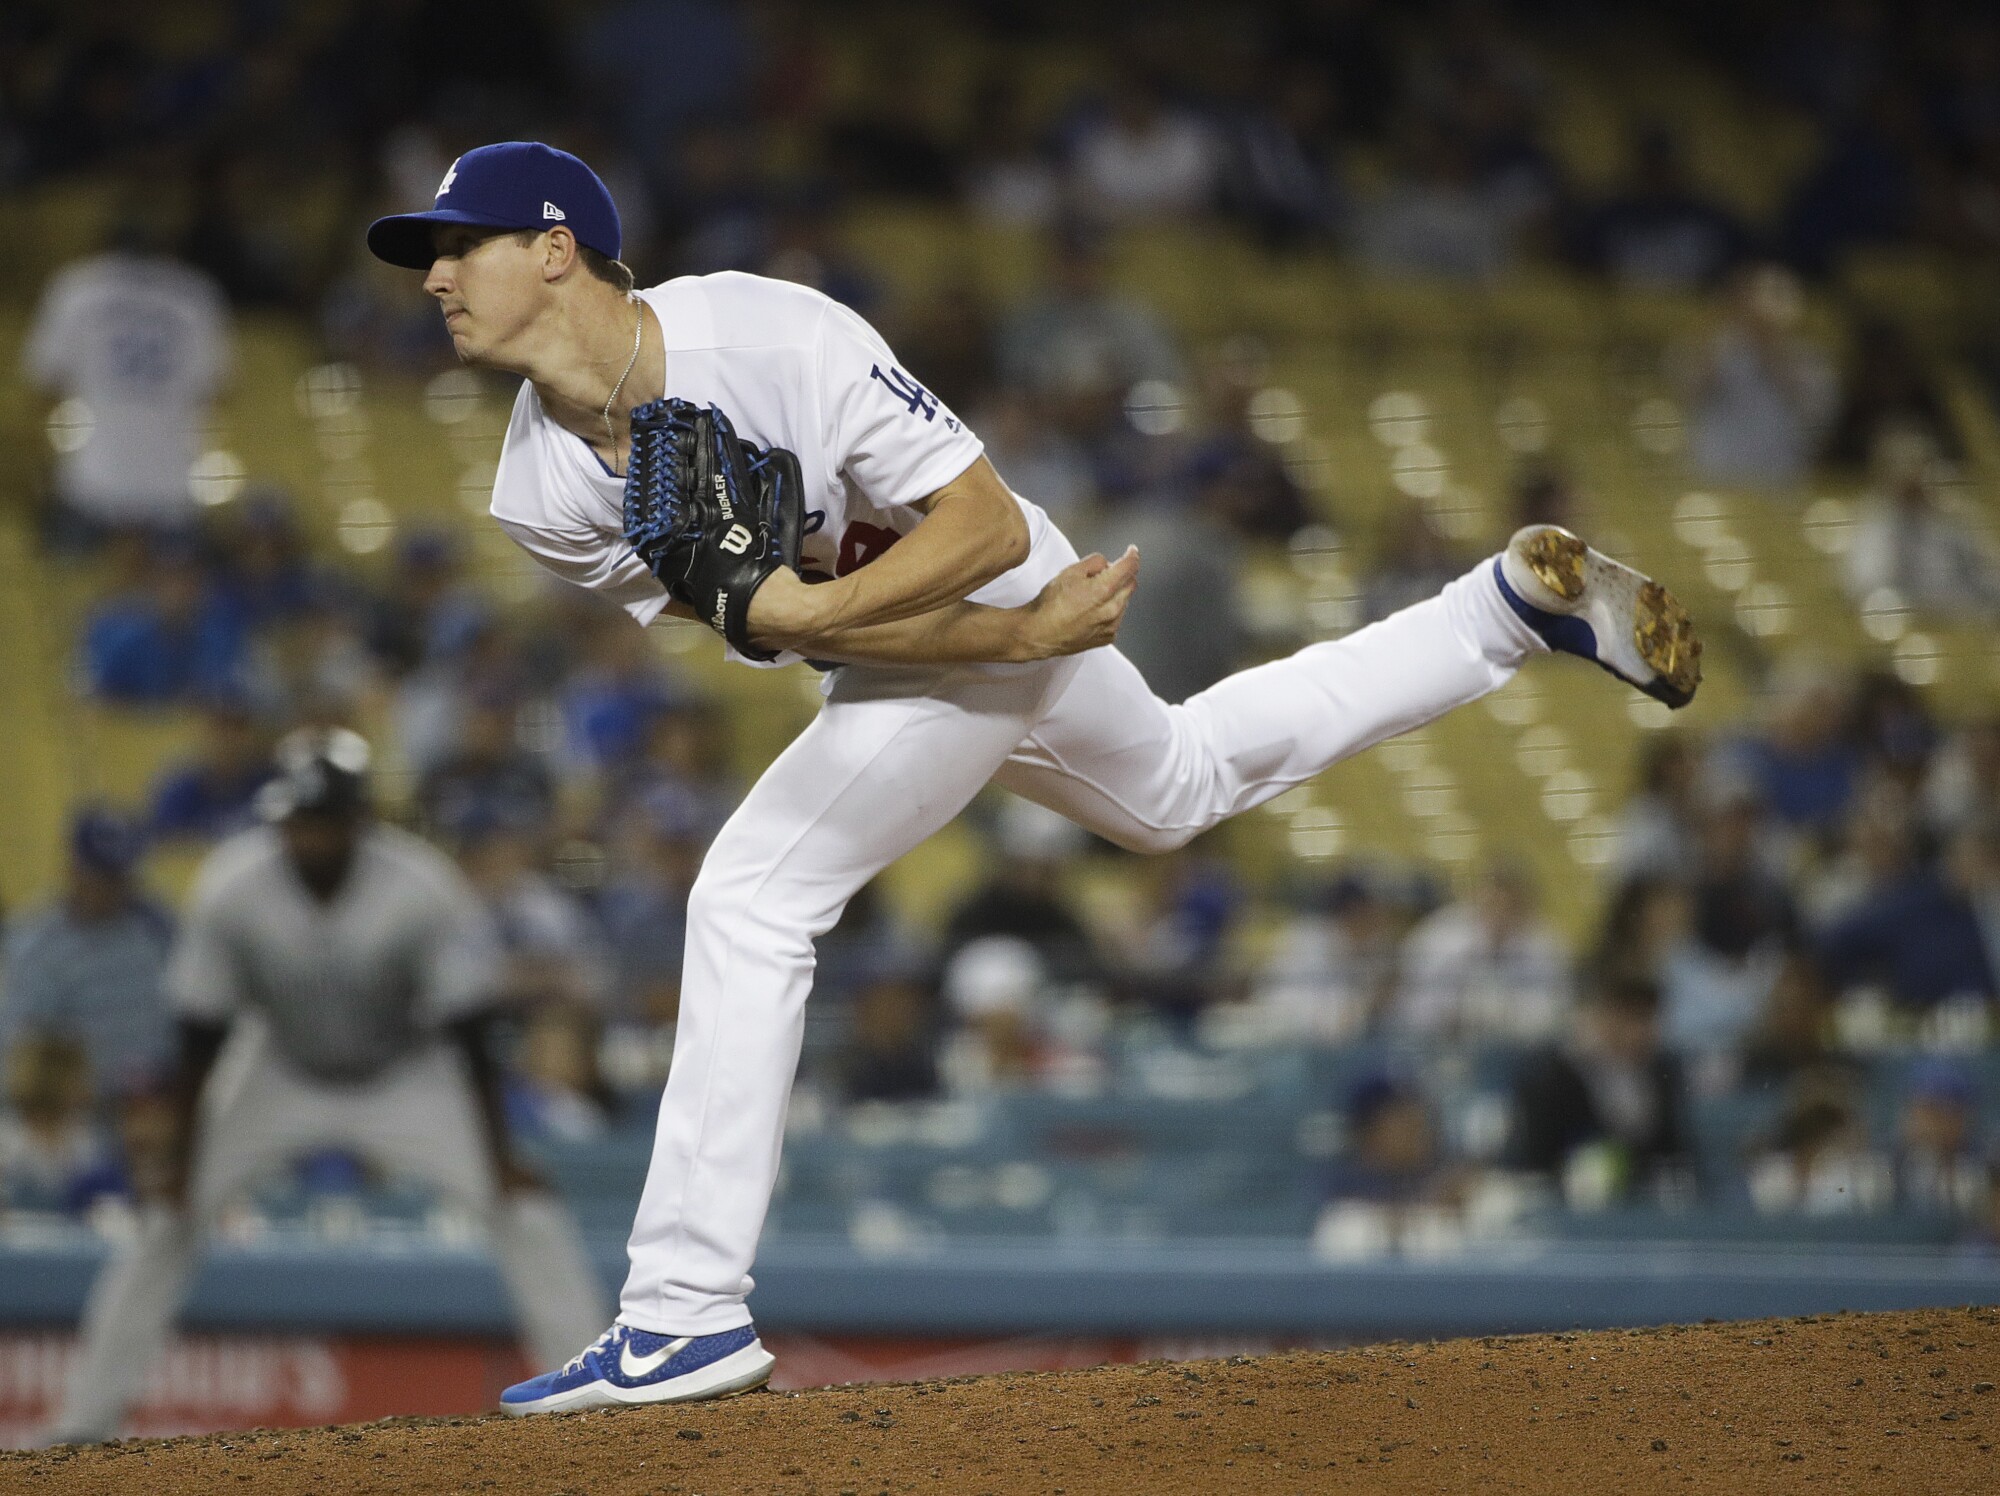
(920, 400)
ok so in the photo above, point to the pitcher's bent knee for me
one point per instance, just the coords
(736, 904)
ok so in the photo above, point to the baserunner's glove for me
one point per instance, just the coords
(711, 515)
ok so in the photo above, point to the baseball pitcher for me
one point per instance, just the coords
(749, 453)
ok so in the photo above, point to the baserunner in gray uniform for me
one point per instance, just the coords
(334, 984)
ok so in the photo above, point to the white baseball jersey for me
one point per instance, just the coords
(144, 343)
(790, 368)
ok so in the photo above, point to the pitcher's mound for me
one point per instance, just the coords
(1901, 1403)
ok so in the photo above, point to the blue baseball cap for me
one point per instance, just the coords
(518, 184)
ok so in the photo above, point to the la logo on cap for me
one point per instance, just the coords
(550, 210)
(450, 176)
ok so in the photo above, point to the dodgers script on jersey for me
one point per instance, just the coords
(790, 368)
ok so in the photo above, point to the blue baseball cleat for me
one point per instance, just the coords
(1584, 603)
(624, 1365)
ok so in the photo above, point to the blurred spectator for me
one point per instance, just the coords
(1938, 1163)
(1886, 389)
(212, 794)
(1973, 857)
(48, 1145)
(1658, 231)
(1760, 393)
(1605, 1109)
(1484, 967)
(262, 563)
(643, 905)
(315, 665)
(1792, 1035)
(139, 1167)
(1816, 1161)
(369, 318)
(1142, 158)
(1481, 76)
(260, 259)
(1894, 729)
(1011, 1030)
(1023, 898)
(1743, 908)
(1332, 969)
(1079, 337)
(619, 50)
(1963, 784)
(872, 941)
(1878, 846)
(88, 965)
(170, 637)
(683, 748)
(554, 1090)
(1392, 1157)
(468, 655)
(1709, 1001)
(1908, 537)
(552, 951)
(1863, 189)
(1656, 824)
(890, 1053)
(424, 581)
(1181, 960)
(611, 699)
(1037, 458)
(1011, 179)
(488, 778)
(1413, 562)
(1349, 43)
(1183, 629)
(802, 244)
(947, 338)
(714, 191)
(137, 345)
(1972, 208)
(1804, 765)
(1915, 933)
(1545, 492)
(1236, 465)
(1435, 217)
(1283, 174)
(993, 990)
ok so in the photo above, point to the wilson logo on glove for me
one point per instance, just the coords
(709, 514)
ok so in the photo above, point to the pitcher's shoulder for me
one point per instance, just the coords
(735, 309)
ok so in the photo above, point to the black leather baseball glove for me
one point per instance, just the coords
(711, 515)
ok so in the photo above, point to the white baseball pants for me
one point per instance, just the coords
(894, 755)
(420, 1119)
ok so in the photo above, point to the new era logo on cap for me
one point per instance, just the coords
(551, 211)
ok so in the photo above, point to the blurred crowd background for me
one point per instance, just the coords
(1315, 302)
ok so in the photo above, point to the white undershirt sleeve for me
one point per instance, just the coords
(585, 558)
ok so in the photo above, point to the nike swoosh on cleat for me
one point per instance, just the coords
(637, 1367)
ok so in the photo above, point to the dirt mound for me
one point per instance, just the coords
(1901, 1403)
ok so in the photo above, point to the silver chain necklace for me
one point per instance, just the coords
(638, 329)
